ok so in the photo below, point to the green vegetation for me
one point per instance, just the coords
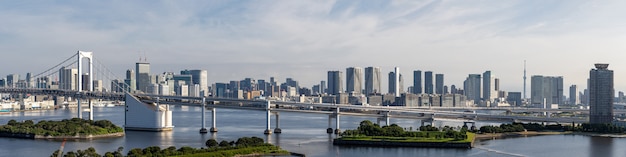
(368, 131)
(243, 146)
(72, 127)
(519, 127)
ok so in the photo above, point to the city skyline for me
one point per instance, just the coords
(451, 38)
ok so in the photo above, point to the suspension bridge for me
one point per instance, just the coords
(77, 78)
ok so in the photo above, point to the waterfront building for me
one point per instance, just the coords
(354, 80)
(142, 75)
(417, 82)
(335, 82)
(489, 87)
(573, 95)
(428, 82)
(13, 78)
(68, 78)
(601, 94)
(131, 79)
(472, 88)
(514, 98)
(439, 84)
(546, 91)
(199, 77)
(372, 80)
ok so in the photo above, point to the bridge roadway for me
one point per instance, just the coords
(515, 109)
(353, 110)
(321, 108)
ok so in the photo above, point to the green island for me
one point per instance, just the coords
(532, 129)
(74, 128)
(370, 134)
(245, 146)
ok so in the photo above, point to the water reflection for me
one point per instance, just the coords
(601, 146)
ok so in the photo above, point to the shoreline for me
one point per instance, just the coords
(77, 137)
(493, 136)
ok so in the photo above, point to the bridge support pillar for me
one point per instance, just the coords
(387, 118)
(277, 129)
(80, 109)
(203, 129)
(213, 120)
(268, 117)
(90, 110)
(337, 122)
(330, 127)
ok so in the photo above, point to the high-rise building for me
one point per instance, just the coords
(12, 80)
(323, 87)
(335, 82)
(200, 78)
(372, 80)
(548, 89)
(428, 82)
(489, 87)
(417, 82)
(354, 80)
(398, 84)
(439, 83)
(471, 88)
(130, 79)
(68, 78)
(29, 80)
(392, 83)
(601, 95)
(573, 95)
(142, 75)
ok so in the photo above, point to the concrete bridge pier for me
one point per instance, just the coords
(330, 127)
(90, 110)
(268, 117)
(213, 120)
(337, 122)
(277, 130)
(429, 121)
(387, 118)
(80, 109)
(203, 129)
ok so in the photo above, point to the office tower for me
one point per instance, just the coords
(439, 83)
(428, 82)
(573, 95)
(354, 80)
(392, 83)
(29, 81)
(3, 82)
(417, 82)
(453, 89)
(142, 75)
(335, 85)
(200, 78)
(273, 81)
(496, 84)
(471, 88)
(601, 95)
(12, 80)
(548, 88)
(372, 80)
(445, 90)
(489, 87)
(97, 86)
(514, 98)
(322, 87)
(68, 78)
(130, 80)
(400, 84)
(262, 86)
(85, 81)
(397, 81)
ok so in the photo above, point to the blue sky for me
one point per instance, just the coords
(304, 39)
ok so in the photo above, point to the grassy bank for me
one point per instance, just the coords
(67, 128)
(256, 150)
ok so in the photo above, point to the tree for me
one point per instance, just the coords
(211, 143)
(224, 143)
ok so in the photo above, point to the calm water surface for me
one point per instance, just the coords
(302, 133)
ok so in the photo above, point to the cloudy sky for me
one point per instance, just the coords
(304, 39)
